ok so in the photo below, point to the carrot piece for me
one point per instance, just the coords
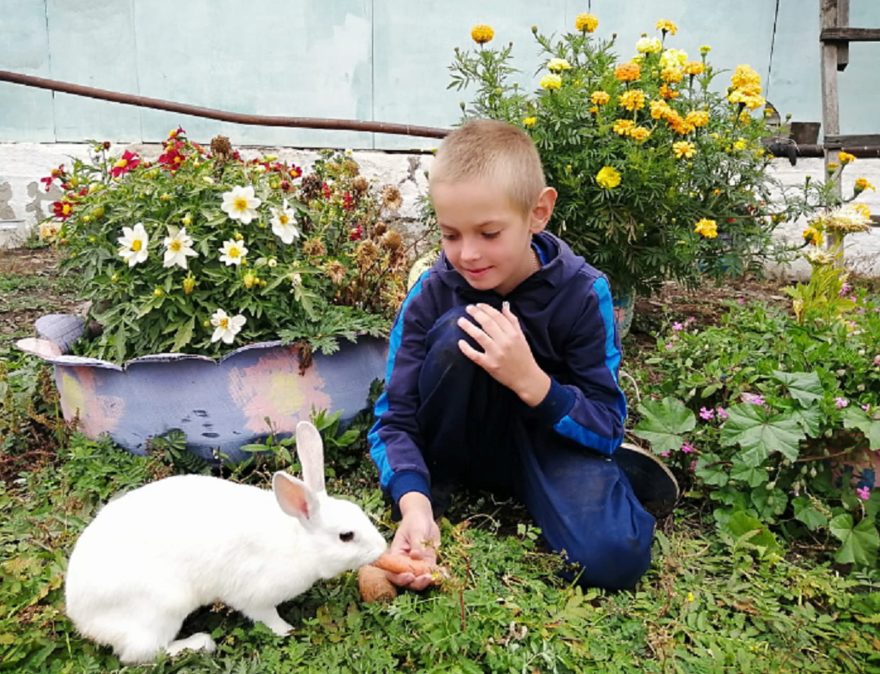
(374, 584)
(397, 563)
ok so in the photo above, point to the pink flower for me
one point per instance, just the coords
(665, 454)
(866, 407)
(877, 360)
(840, 403)
(678, 327)
(845, 289)
(693, 466)
(688, 448)
(753, 399)
(864, 493)
(722, 413)
(706, 414)
(740, 300)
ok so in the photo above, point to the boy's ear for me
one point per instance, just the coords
(542, 210)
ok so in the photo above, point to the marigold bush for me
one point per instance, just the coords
(660, 176)
(203, 250)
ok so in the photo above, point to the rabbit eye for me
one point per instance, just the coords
(346, 536)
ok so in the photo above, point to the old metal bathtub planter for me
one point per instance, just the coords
(220, 404)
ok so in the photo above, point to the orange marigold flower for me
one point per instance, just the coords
(846, 158)
(667, 92)
(694, 68)
(813, 236)
(600, 97)
(628, 72)
(744, 76)
(683, 149)
(640, 134)
(482, 33)
(660, 109)
(863, 184)
(697, 117)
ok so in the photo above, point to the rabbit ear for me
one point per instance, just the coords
(310, 449)
(294, 497)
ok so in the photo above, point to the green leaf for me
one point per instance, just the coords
(711, 470)
(759, 436)
(859, 543)
(804, 387)
(810, 419)
(806, 513)
(855, 417)
(663, 422)
(750, 532)
(184, 334)
(751, 475)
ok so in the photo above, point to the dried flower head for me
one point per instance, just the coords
(391, 198)
(314, 247)
(221, 148)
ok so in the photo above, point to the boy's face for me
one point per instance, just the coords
(485, 237)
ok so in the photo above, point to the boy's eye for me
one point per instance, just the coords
(448, 237)
(490, 235)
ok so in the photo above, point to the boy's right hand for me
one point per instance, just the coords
(417, 536)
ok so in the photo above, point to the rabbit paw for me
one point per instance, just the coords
(270, 618)
(200, 641)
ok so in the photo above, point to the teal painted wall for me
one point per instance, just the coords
(383, 60)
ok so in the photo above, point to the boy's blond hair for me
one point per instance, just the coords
(490, 150)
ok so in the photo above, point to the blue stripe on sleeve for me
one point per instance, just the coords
(570, 428)
(378, 450)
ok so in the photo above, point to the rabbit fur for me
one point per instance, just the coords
(155, 554)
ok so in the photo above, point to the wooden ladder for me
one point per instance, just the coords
(835, 37)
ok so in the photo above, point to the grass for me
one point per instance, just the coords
(706, 605)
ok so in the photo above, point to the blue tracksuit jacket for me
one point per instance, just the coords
(566, 313)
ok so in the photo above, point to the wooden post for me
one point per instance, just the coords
(831, 103)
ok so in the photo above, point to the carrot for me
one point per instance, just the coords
(397, 563)
(374, 584)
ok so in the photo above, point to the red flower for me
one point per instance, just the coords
(62, 209)
(126, 163)
(285, 186)
(177, 132)
(347, 201)
(326, 191)
(172, 158)
(356, 234)
(49, 179)
(294, 171)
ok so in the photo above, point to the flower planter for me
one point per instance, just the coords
(220, 404)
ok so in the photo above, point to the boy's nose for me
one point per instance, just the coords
(470, 251)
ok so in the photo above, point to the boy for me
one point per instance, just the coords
(502, 371)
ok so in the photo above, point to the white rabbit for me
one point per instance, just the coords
(157, 553)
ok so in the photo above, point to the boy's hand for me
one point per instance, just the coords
(417, 536)
(506, 355)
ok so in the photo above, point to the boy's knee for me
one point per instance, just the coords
(612, 560)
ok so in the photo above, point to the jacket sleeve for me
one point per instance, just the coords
(589, 407)
(395, 441)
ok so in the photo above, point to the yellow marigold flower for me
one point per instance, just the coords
(697, 117)
(666, 26)
(482, 33)
(649, 45)
(744, 75)
(660, 109)
(706, 228)
(832, 166)
(600, 97)
(557, 65)
(846, 158)
(608, 177)
(594, 110)
(862, 209)
(705, 49)
(640, 134)
(740, 144)
(628, 72)
(684, 149)
(673, 58)
(813, 236)
(530, 121)
(681, 126)
(632, 100)
(672, 74)
(694, 68)
(586, 23)
(667, 92)
(551, 81)
(863, 184)
(622, 127)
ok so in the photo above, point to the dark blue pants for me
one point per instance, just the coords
(477, 433)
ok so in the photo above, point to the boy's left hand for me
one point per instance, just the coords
(506, 355)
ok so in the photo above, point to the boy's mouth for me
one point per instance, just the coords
(476, 272)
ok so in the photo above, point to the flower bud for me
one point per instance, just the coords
(186, 220)
(158, 292)
(189, 283)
